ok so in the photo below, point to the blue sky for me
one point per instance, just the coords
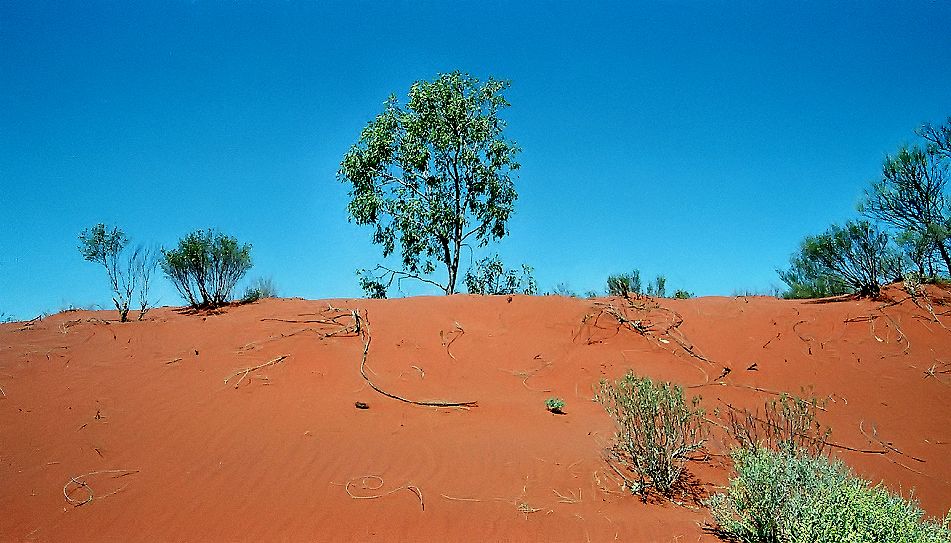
(701, 140)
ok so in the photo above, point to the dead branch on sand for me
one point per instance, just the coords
(362, 325)
(444, 335)
(244, 372)
(661, 335)
(378, 484)
(527, 374)
(80, 483)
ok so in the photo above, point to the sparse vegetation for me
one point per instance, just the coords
(261, 288)
(205, 267)
(784, 496)
(787, 423)
(682, 294)
(433, 176)
(656, 430)
(563, 289)
(129, 273)
(625, 285)
(489, 276)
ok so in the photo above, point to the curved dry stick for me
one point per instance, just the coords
(454, 338)
(363, 479)
(84, 485)
(874, 437)
(363, 328)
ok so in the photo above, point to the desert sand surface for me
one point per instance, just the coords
(129, 431)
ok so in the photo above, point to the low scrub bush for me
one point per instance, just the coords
(261, 288)
(785, 497)
(786, 424)
(656, 429)
(489, 276)
(625, 285)
(205, 267)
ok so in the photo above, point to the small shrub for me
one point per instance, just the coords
(489, 277)
(656, 429)
(682, 295)
(206, 266)
(657, 288)
(562, 289)
(787, 424)
(260, 289)
(555, 405)
(781, 496)
(129, 273)
(625, 285)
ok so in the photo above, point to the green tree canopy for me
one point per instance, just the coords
(910, 196)
(434, 175)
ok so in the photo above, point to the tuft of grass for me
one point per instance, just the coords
(787, 497)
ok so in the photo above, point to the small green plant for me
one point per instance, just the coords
(555, 405)
(261, 288)
(205, 267)
(489, 277)
(783, 496)
(656, 429)
(682, 295)
(658, 287)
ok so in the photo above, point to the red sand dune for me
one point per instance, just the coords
(282, 454)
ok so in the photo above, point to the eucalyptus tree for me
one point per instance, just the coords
(433, 176)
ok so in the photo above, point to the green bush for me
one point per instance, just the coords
(656, 429)
(623, 284)
(682, 294)
(489, 276)
(854, 258)
(781, 496)
(260, 289)
(206, 266)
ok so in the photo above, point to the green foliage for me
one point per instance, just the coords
(781, 496)
(555, 405)
(129, 273)
(205, 267)
(682, 294)
(911, 195)
(657, 288)
(855, 258)
(372, 286)
(261, 288)
(625, 285)
(656, 429)
(434, 175)
(489, 276)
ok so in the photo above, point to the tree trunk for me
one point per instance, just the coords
(944, 255)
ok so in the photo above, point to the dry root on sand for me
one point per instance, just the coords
(244, 372)
(665, 331)
(373, 483)
(79, 482)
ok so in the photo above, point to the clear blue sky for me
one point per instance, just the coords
(702, 140)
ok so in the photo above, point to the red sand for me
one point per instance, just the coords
(270, 460)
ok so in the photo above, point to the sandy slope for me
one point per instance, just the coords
(271, 459)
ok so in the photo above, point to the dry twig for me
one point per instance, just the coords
(371, 487)
(80, 483)
(244, 373)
